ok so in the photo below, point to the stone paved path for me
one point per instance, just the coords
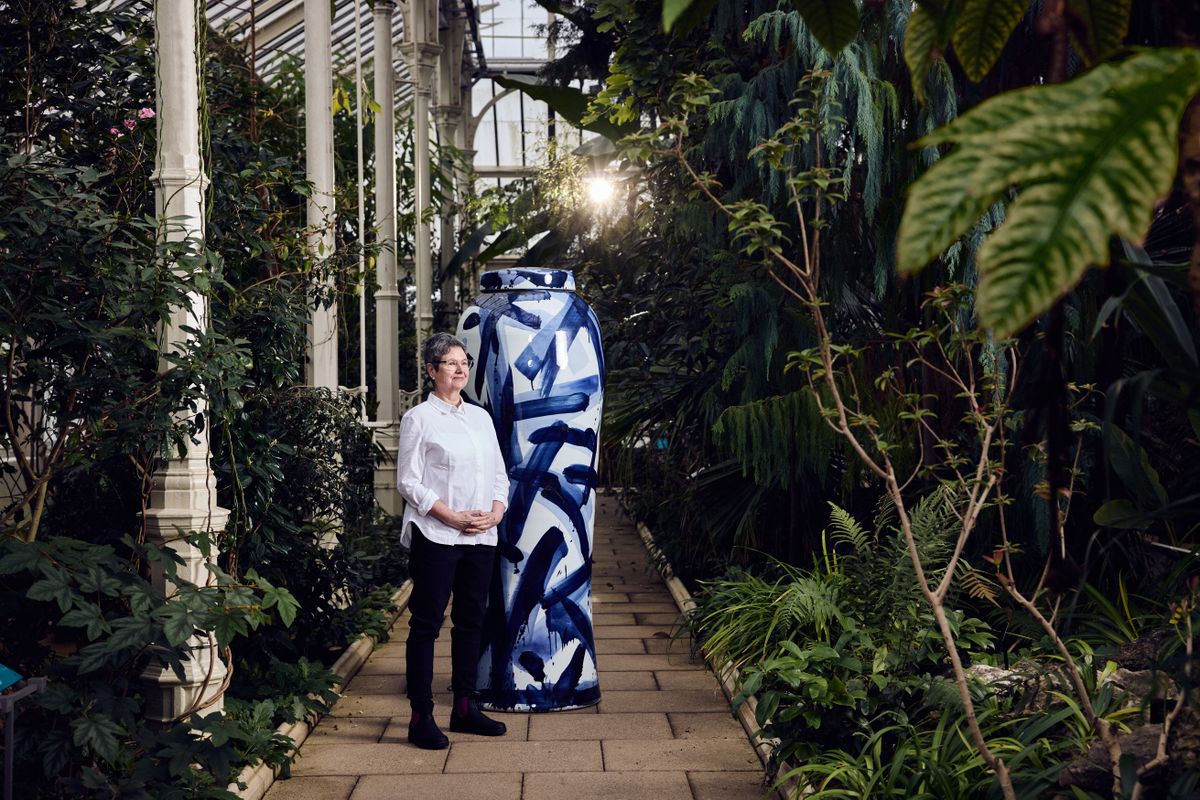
(662, 729)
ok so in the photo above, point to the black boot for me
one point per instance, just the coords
(425, 733)
(474, 720)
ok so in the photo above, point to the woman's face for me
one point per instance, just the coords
(450, 374)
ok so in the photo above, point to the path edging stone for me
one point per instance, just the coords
(727, 675)
(258, 778)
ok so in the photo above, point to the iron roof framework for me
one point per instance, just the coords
(273, 30)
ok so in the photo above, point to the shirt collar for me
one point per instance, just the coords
(444, 407)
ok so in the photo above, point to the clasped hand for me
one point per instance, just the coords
(475, 522)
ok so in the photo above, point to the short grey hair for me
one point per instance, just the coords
(437, 345)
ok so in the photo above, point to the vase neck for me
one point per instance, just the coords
(505, 280)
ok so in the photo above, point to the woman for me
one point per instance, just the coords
(452, 476)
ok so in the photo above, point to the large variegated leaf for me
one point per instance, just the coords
(940, 206)
(833, 22)
(1090, 158)
(982, 29)
(1105, 23)
(928, 31)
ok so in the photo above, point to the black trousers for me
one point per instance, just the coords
(438, 570)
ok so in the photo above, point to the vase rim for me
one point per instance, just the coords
(516, 278)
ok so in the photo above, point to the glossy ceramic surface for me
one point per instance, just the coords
(539, 371)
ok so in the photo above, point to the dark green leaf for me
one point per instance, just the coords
(981, 31)
(1120, 514)
(179, 622)
(22, 558)
(927, 34)
(570, 104)
(99, 734)
(833, 22)
(1105, 23)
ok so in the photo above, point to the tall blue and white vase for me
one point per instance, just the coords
(539, 371)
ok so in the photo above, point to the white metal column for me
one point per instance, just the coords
(387, 295)
(184, 494)
(362, 234)
(322, 367)
(448, 115)
(420, 33)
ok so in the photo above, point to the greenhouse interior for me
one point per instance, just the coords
(830, 366)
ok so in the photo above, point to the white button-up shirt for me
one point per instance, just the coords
(448, 453)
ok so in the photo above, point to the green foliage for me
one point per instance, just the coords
(827, 650)
(694, 326)
(94, 404)
(85, 616)
(1105, 23)
(751, 432)
(765, 155)
(569, 103)
(83, 285)
(929, 759)
(980, 31)
(301, 690)
(833, 22)
(927, 33)
(746, 617)
(1090, 157)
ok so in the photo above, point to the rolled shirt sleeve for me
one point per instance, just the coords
(410, 466)
(448, 453)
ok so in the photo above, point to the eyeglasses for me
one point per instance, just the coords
(470, 362)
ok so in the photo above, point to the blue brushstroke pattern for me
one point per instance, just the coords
(532, 615)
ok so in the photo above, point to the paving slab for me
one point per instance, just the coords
(619, 701)
(658, 596)
(617, 647)
(629, 631)
(389, 683)
(380, 705)
(607, 786)
(610, 679)
(317, 758)
(705, 725)
(343, 729)
(662, 731)
(497, 756)
(729, 786)
(664, 607)
(652, 755)
(636, 590)
(323, 788)
(502, 786)
(381, 666)
(665, 643)
(687, 680)
(543, 727)
(643, 661)
(397, 731)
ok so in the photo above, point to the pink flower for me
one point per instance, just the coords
(145, 113)
(116, 132)
(129, 124)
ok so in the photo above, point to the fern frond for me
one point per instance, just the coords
(750, 433)
(846, 530)
(934, 526)
(805, 603)
(977, 584)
